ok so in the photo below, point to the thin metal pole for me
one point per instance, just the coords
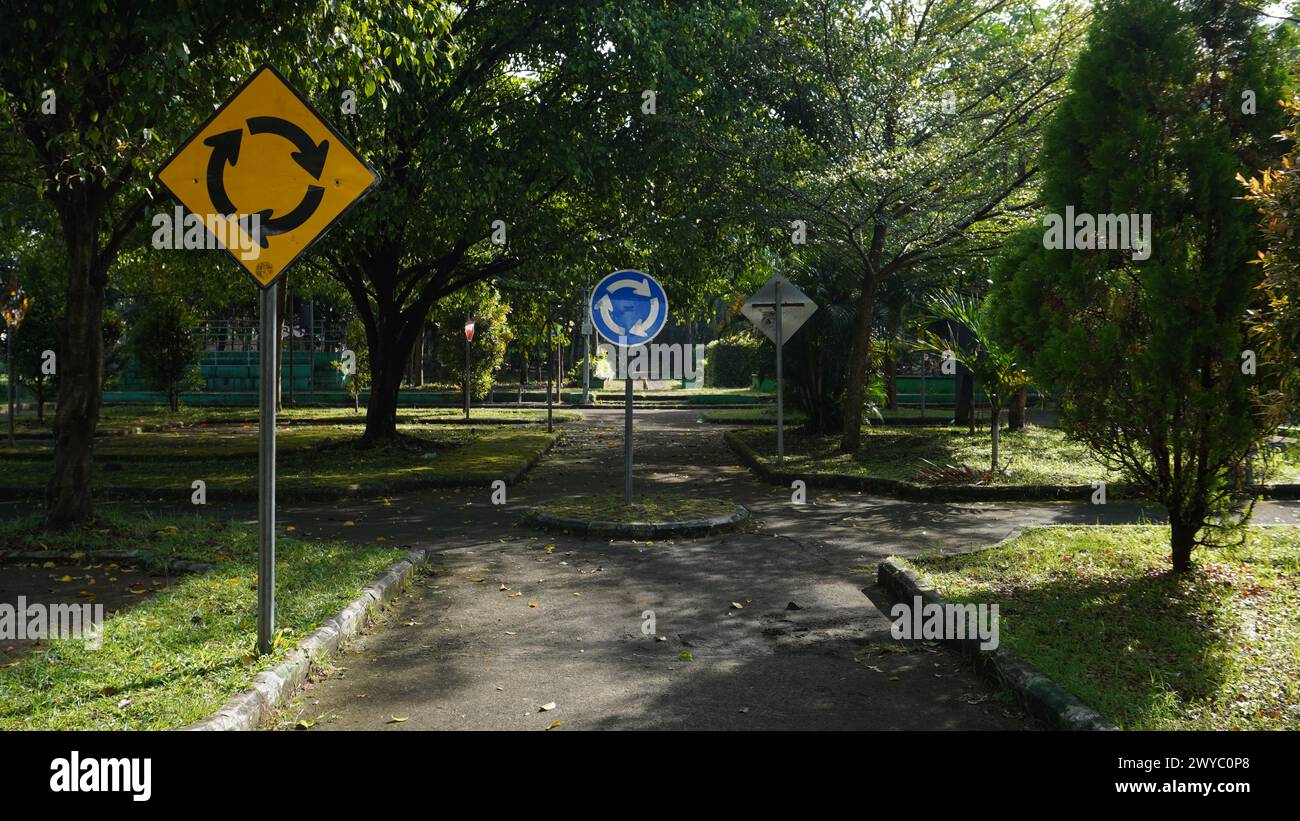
(586, 357)
(554, 372)
(9, 377)
(467, 373)
(550, 394)
(266, 306)
(627, 433)
(780, 394)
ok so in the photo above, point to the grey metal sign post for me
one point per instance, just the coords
(268, 339)
(629, 308)
(780, 382)
(14, 309)
(195, 175)
(627, 437)
(586, 358)
(9, 378)
(779, 309)
(469, 339)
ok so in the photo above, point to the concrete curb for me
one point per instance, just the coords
(1044, 699)
(246, 710)
(918, 493)
(638, 530)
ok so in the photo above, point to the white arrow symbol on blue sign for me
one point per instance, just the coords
(646, 294)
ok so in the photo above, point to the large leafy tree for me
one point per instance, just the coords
(1147, 354)
(519, 117)
(896, 132)
(92, 95)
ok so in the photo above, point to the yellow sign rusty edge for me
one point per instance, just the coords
(278, 140)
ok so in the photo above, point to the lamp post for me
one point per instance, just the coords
(14, 307)
(469, 337)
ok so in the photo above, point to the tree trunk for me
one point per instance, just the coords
(1016, 413)
(81, 376)
(1182, 538)
(964, 412)
(859, 357)
(381, 410)
(390, 335)
(40, 400)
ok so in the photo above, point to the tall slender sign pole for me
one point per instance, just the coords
(204, 175)
(266, 302)
(780, 397)
(9, 377)
(586, 358)
(14, 308)
(469, 336)
(774, 308)
(628, 308)
(627, 431)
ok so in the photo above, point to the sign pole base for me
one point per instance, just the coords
(268, 339)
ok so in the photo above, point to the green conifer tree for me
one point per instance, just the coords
(1147, 344)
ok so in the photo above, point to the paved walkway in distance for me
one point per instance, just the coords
(512, 619)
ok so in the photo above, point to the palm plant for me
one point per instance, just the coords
(994, 366)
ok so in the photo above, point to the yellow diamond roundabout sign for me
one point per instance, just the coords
(267, 175)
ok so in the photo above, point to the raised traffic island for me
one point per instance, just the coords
(646, 517)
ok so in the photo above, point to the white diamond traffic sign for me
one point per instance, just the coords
(795, 307)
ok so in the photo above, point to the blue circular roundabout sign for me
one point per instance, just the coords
(629, 308)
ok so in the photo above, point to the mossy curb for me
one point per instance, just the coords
(1044, 699)
(647, 529)
(913, 492)
(271, 688)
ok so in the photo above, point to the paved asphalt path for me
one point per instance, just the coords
(512, 619)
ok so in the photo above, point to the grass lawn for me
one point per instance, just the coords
(1096, 609)
(317, 460)
(1281, 463)
(742, 416)
(613, 392)
(794, 416)
(123, 418)
(1038, 455)
(175, 656)
(610, 508)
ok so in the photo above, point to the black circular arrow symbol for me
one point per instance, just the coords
(310, 156)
